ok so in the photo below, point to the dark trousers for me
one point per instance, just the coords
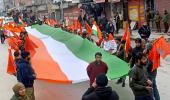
(166, 25)
(148, 23)
(158, 26)
(155, 91)
(149, 97)
(117, 27)
(2, 38)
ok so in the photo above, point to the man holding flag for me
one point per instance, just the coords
(152, 74)
(139, 82)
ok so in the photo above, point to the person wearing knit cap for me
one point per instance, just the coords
(100, 91)
(19, 92)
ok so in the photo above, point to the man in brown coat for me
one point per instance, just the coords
(97, 67)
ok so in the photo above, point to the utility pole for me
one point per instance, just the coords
(60, 4)
(4, 4)
(62, 12)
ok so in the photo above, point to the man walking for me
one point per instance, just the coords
(138, 79)
(165, 20)
(97, 67)
(26, 74)
(152, 74)
(100, 90)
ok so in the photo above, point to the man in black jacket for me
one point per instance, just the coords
(100, 91)
(26, 74)
(144, 31)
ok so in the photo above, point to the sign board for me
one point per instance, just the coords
(133, 13)
(99, 1)
(114, 1)
(75, 1)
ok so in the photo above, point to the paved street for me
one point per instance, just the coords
(53, 91)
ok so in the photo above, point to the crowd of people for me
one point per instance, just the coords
(142, 80)
(24, 89)
(156, 19)
(25, 75)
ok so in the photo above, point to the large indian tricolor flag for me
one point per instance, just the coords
(63, 57)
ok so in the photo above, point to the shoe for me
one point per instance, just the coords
(123, 84)
(119, 81)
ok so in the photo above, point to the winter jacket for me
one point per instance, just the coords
(95, 69)
(25, 73)
(157, 18)
(110, 28)
(135, 51)
(100, 93)
(138, 77)
(16, 97)
(144, 32)
(165, 17)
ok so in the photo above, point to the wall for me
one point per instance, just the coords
(161, 5)
(136, 11)
(71, 11)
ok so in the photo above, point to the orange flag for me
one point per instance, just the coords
(125, 33)
(100, 36)
(126, 37)
(72, 28)
(154, 57)
(163, 47)
(11, 27)
(15, 35)
(11, 69)
(89, 29)
(127, 44)
(111, 37)
(160, 48)
(14, 43)
(29, 46)
(53, 22)
(75, 25)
